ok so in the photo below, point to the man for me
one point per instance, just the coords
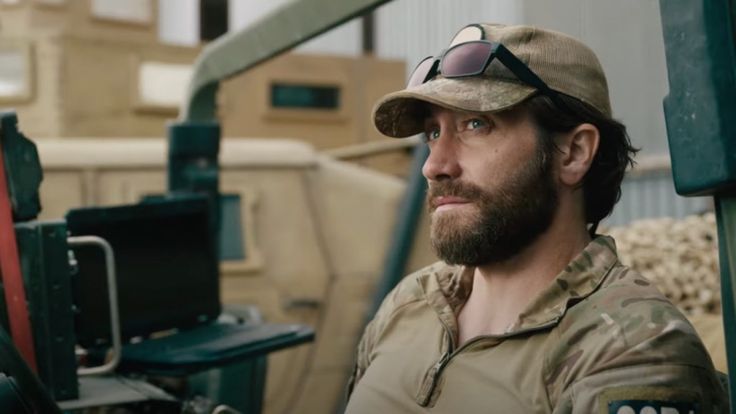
(530, 311)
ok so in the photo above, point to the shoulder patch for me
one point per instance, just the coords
(649, 400)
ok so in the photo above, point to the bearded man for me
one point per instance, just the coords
(529, 311)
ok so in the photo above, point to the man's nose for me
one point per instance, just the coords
(442, 162)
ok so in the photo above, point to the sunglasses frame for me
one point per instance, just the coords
(496, 51)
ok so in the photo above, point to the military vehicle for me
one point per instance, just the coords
(320, 272)
(295, 222)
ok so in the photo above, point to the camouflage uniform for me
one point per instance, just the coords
(599, 339)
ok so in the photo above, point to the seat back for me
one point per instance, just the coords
(166, 265)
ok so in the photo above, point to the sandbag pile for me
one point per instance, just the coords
(679, 255)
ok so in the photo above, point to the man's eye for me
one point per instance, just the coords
(475, 123)
(431, 135)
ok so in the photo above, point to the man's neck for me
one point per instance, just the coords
(502, 290)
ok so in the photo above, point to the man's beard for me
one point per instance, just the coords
(506, 220)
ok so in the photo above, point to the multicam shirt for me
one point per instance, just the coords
(599, 339)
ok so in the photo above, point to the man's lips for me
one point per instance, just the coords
(448, 201)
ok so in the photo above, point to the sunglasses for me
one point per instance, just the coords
(472, 58)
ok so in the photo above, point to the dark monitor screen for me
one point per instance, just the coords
(166, 265)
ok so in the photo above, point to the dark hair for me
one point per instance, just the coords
(602, 183)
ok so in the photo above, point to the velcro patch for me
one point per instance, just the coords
(649, 400)
(651, 407)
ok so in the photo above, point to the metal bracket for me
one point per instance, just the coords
(112, 291)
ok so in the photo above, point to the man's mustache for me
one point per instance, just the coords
(467, 191)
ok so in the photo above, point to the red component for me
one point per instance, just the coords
(15, 294)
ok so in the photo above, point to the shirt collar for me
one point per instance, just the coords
(580, 278)
(447, 288)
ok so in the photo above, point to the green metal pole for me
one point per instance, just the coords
(394, 267)
(726, 219)
(287, 27)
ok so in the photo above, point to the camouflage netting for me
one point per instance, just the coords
(679, 256)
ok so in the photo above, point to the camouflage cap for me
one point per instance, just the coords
(564, 63)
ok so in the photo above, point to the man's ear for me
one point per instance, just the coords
(577, 151)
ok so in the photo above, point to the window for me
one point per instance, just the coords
(295, 96)
(51, 2)
(128, 11)
(15, 72)
(162, 86)
(231, 228)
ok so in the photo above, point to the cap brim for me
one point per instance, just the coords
(401, 114)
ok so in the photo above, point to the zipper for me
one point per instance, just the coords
(427, 390)
(431, 378)
(434, 373)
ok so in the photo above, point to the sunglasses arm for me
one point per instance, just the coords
(522, 71)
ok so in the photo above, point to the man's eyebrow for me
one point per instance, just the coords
(428, 121)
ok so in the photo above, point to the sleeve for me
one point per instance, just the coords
(405, 293)
(370, 335)
(362, 358)
(655, 388)
(628, 350)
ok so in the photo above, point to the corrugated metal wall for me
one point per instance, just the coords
(652, 194)
(414, 29)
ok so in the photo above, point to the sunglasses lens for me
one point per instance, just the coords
(420, 72)
(466, 59)
(467, 34)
